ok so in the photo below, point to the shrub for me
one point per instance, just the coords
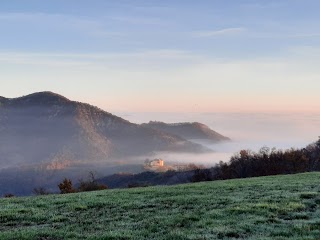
(66, 186)
(40, 191)
(9, 195)
(91, 184)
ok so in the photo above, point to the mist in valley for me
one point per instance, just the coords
(246, 130)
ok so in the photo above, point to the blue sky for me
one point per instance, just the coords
(168, 55)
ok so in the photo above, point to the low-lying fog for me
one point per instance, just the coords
(247, 131)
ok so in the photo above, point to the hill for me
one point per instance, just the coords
(190, 131)
(48, 129)
(268, 208)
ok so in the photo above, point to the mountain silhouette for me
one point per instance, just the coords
(47, 128)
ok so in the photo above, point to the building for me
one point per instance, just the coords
(154, 165)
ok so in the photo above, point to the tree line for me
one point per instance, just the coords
(265, 162)
(91, 184)
(67, 186)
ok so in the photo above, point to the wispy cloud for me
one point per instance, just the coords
(145, 57)
(139, 20)
(24, 58)
(89, 26)
(265, 5)
(219, 33)
(285, 35)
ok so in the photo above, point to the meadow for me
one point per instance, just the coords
(264, 208)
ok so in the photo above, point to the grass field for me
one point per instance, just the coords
(278, 207)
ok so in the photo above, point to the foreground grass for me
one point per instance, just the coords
(279, 207)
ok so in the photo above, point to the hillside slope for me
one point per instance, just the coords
(266, 208)
(46, 128)
(188, 131)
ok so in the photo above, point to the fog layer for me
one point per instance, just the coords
(247, 131)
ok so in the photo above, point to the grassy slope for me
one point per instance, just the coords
(280, 207)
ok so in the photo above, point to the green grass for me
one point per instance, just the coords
(279, 207)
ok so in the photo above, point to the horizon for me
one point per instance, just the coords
(260, 111)
(124, 56)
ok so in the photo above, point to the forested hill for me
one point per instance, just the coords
(46, 127)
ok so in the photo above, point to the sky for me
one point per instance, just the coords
(165, 56)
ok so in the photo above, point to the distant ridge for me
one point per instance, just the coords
(188, 130)
(39, 98)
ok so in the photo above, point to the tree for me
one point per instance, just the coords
(40, 191)
(66, 186)
(201, 175)
(91, 184)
